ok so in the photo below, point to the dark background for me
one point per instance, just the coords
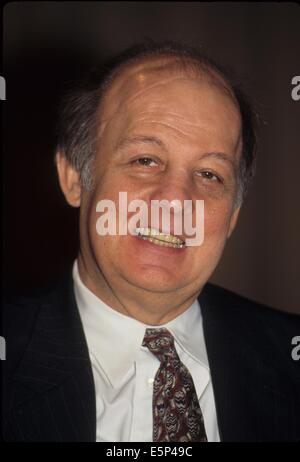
(47, 45)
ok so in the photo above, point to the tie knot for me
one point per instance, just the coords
(160, 342)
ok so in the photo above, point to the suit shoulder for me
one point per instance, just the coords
(269, 332)
(19, 316)
(269, 327)
(239, 304)
(20, 310)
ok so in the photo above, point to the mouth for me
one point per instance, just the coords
(161, 239)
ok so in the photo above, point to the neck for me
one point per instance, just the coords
(145, 306)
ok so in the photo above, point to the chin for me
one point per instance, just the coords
(154, 279)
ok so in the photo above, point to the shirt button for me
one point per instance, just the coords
(150, 382)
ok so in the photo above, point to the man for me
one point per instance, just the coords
(136, 346)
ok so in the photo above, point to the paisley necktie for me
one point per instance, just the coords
(176, 412)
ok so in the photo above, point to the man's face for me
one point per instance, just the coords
(159, 135)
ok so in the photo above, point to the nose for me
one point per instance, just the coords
(174, 186)
(172, 193)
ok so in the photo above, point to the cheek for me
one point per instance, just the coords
(103, 246)
(216, 223)
(207, 256)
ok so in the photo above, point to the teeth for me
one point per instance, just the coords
(158, 238)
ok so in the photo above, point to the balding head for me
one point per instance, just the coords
(78, 128)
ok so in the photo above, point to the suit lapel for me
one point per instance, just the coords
(54, 397)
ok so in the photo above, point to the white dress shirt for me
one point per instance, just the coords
(124, 371)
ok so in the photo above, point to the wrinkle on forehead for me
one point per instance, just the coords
(170, 116)
(129, 92)
(185, 125)
(191, 133)
(179, 125)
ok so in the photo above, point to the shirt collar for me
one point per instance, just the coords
(115, 339)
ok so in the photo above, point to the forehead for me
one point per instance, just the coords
(161, 88)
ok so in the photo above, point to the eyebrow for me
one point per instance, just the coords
(126, 141)
(221, 156)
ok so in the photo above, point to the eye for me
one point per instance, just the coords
(207, 175)
(145, 162)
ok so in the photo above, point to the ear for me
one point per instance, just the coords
(233, 221)
(69, 180)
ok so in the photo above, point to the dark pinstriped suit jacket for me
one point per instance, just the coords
(48, 390)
